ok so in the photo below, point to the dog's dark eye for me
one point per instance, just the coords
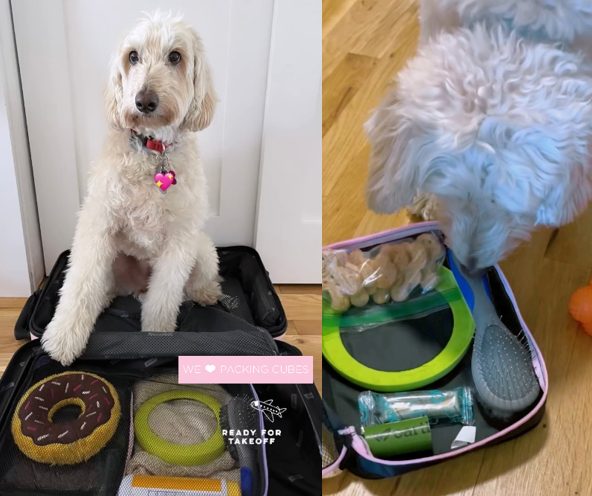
(133, 57)
(174, 58)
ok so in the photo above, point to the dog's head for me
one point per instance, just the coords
(497, 128)
(160, 78)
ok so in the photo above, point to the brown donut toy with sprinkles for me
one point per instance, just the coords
(70, 442)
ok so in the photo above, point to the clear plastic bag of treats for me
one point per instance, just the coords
(388, 272)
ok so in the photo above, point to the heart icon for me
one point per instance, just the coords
(164, 180)
(210, 368)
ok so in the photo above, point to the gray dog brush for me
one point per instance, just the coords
(501, 364)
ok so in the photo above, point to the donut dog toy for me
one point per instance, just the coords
(75, 441)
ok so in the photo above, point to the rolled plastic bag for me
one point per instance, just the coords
(452, 406)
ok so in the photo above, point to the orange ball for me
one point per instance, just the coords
(580, 307)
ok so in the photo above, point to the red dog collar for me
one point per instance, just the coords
(156, 145)
(164, 177)
(151, 143)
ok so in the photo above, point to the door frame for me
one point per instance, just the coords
(19, 141)
(57, 150)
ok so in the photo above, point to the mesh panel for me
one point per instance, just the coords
(110, 345)
(20, 475)
(185, 450)
(329, 451)
(179, 424)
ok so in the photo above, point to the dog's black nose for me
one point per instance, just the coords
(146, 101)
(471, 265)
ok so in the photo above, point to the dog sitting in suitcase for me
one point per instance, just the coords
(140, 229)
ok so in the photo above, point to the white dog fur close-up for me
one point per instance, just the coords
(130, 237)
(491, 121)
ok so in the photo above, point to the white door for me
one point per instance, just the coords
(64, 48)
(288, 232)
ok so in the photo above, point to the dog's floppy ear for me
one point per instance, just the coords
(392, 177)
(114, 94)
(201, 110)
(539, 170)
(568, 173)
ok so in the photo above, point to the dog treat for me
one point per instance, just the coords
(453, 406)
(435, 253)
(389, 272)
(381, 296)
(360, 299)
(69, 442)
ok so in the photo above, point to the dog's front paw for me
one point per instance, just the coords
(63, 343)
(208, 294)
(154, 323)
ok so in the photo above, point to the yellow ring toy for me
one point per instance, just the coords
(335, 352)
(179, 454)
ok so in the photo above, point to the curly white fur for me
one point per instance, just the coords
(125, 217)
(494, 124)
(552, 20)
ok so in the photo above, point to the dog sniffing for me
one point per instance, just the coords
(140, 229)
(492, 120)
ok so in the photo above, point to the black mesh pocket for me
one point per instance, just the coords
(185, 439)
(294, 459)
(100, 475)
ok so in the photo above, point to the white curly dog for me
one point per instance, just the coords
(491, 122)
(160, 92)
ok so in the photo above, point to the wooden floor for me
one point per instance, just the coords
(301, 302)
(364, 43)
